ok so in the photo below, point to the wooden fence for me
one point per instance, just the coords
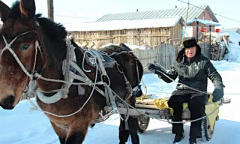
(205, 49)
(151, 37)
(164, 55)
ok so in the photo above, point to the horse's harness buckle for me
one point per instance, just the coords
(92, 61)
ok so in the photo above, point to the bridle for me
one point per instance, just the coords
(8, 47)
(34, 75)
(30, 75)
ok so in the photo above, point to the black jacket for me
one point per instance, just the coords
(194, 73)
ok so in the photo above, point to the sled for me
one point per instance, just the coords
(208, 123)
(147, 108)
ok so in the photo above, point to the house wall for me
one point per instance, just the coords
(151, 37)
(206, 17)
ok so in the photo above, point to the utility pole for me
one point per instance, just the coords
(50, 9)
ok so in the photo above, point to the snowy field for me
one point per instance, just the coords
(20, 127)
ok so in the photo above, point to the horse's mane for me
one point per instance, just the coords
(112, 48)
(53, 31)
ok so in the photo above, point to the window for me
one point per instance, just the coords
(203, 16)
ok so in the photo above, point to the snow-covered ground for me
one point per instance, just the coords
(234, 47)
(20, 127)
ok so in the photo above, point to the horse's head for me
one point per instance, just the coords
(23, 40)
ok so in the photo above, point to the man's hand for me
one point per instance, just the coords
(217, 94)
(152, 67)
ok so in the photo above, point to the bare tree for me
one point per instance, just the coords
(50, 9)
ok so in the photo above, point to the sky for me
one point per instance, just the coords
(75, 11)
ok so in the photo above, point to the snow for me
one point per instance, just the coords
(21, 127)
(234, 47)
(204, 22)
(124, 24)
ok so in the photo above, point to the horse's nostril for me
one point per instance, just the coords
(11, 99)
(8, 102)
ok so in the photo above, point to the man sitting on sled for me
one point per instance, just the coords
(192, 68)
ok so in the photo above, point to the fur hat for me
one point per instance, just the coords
(187, 43)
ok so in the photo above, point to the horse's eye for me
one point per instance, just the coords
(25, 46)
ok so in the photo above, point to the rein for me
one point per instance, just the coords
(8, 47)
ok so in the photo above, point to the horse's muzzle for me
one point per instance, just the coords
(7, 103)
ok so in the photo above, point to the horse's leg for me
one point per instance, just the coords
(123, 133)
(60, 132)
(77, 133)
(132, 122)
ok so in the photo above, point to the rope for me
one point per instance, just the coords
(90, 96)
(84, 78)
(96, 58)
(200, 117)
(181, 83)
(171, 122)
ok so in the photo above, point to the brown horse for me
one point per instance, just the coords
(34, 49)
(133, 67)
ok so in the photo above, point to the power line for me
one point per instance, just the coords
(210, 11)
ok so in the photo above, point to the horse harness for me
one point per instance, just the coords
(69, 71)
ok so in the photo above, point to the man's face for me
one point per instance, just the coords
(190, 52)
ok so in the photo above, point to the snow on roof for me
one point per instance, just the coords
(204, 22)
(125, 24)
(193, 12)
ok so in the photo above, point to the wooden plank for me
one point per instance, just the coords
(146, 106)
(140, 111)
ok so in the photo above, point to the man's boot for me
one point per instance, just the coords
(193, 141)
(178, 138)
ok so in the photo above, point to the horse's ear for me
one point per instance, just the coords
(27, 8)
(4, 11)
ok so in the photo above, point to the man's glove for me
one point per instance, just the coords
(217, 94)
(155, 69)
(152, 67)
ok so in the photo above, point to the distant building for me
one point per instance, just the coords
(150, 28)
(148, 32)
(201, 12)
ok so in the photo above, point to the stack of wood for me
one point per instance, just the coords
(218, 46)
(146, 103)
